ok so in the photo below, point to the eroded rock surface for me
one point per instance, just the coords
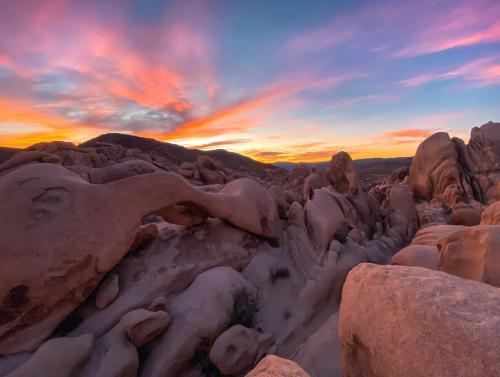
(419, 314)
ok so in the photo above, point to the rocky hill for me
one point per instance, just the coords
(177, 154)
(121, 259)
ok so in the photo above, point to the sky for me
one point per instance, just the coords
(277, 80)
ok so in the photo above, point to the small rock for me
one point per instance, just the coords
(108, 291)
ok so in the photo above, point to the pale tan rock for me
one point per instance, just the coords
(58, 357)
(186, 173)
(325, 219)
(274, 366)
(491, 215)
(313, 181)
(417, 256)
(145, 233)
(435, 171)
(343, 176)
(430, 235)
(142, 326)
(107, 292)
(472, 253)
(403, 215)
(419, 314)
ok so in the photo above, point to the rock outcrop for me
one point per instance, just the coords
(472, 253)
(47, 200)
(128, 257)
(419, 314)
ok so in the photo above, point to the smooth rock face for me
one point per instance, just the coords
(472, 253)
(274, 366)
(115, 353)
(417, 256)
(428, 323)
(59, 357)
(108, 291)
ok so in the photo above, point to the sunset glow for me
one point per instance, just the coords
(277, 81)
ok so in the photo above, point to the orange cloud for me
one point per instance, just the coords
(470, 24)
(411, 132)
(33, 126)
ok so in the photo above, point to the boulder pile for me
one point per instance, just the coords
(124, 261)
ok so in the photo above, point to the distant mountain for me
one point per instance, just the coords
(365, 166)
(178, 154)
(6, 153)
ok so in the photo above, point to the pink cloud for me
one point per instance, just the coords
(458, 25)
(480, 72)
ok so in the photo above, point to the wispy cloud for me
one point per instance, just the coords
(480, 72)
(410, 132)
(460, 25)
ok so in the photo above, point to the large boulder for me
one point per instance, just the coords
(236, 349)
(343, 176)
(413, 322)
(325, 219)
(417, 256)
(402, 212)
(423, 250)
(435, 171)
(472, 253)
(54, 252)
(200, 314)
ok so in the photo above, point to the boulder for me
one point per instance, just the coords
(274, 366)
(491, 215)
(417, 256)
(235, 350)
(402, 212)
(26, 157)
(428, 323)
(435, 171)
(200, 314)
(315, 180)
(343, 176)
(121, 170)
(466, 214)
(472, 253)
(115, 353)
(325, 219)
